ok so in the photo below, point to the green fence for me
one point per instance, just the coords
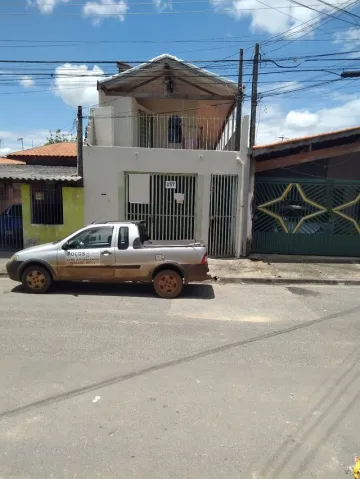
(315, 217)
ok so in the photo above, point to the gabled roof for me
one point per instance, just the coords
(180, 71)
(60, 150)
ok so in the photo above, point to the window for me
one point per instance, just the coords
(100, 237)
(123, 242)
(46, 204)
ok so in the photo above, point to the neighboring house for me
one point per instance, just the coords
(48, 207)
(154, 153)
(307, 195)
(57, 154)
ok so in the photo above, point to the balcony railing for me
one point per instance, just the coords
(171, 130)
(179, 131)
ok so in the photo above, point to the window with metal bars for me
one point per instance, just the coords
(47, 204)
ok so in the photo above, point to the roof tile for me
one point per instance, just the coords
(7, 161)
(65, 150)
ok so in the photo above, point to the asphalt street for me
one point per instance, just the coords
(228, 381)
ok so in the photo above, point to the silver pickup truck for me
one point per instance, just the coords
(110, 252)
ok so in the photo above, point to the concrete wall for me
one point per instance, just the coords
(73, 212)
(105, 168)
(122, 121)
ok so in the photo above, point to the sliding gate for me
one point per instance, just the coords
(306, 216)
(169, 211)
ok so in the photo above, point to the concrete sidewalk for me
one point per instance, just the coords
(287, 269)
(273, 269)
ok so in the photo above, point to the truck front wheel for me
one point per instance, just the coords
(168, 284)
(36, 279)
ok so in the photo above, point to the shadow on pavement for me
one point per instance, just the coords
(192, 291)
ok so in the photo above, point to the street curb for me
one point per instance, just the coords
(330, 282)
(283, 281)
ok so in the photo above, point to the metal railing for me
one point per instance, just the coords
(178, 131)
(11, 232)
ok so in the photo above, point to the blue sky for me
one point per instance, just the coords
(79, 32)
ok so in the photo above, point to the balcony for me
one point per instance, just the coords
(175, 131)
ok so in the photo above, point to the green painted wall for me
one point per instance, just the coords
(73, 212)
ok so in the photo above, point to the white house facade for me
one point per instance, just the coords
(154, 151)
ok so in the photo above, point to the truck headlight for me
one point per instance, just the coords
(14, 257)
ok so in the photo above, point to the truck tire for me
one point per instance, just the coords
(168, 284)
(36, 279)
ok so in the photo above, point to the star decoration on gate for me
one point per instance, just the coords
(338, 209)
(320, 209)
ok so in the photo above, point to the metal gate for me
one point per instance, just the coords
(315, 217)
(170, 214)
(11, 229)
(222, 227)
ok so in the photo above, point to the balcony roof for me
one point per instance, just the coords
(171, 78)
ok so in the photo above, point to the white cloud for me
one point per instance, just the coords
(9, 139)
(277, 19)
(348, 39)
(277, 122)
(106, 9)
(77, 84)
(27, 81)
(46, 6)
(301, 120)
(162, 5)
(4, 151)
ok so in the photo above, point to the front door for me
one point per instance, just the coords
(88, 256)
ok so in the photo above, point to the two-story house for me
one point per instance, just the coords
(154, 152)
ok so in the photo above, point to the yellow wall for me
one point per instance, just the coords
(73, 212)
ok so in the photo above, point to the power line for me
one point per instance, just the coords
(343, 10)
(322, 12)
(155, 12)
(180, 2)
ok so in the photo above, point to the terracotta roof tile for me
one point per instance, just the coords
(65, 150)
(7, 161)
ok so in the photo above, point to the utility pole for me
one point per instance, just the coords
(80, 163)
(239, 102)
(254, 96)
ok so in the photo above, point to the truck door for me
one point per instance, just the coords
(89, 255)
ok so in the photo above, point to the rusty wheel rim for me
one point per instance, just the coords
(35, 279)
(168, 283)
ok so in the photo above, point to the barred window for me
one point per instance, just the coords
(46, 204)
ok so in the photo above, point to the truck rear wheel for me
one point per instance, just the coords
(168, 284)
(36, 279)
